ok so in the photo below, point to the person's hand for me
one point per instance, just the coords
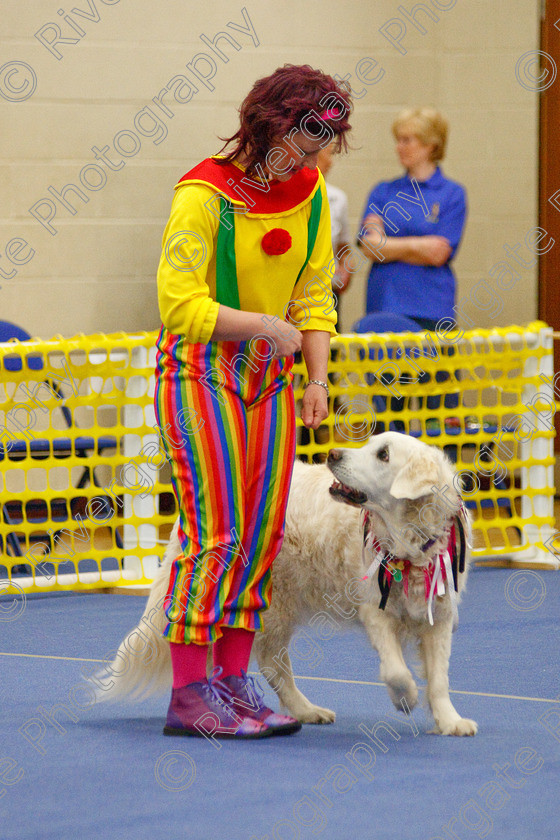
(436, 249)
(284, 337)
(341, 280)
(315, 406)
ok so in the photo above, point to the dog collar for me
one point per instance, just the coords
(427, 545)
(443, 569)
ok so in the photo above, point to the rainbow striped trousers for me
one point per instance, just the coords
(226, 415)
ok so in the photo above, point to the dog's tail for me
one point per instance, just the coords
(142, 665)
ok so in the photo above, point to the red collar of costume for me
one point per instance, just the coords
(258, 196)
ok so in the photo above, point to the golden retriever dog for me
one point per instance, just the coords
(387, 543)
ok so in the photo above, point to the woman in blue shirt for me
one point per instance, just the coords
(412, 226)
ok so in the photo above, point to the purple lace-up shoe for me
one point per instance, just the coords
(247, 700)
(206, 709)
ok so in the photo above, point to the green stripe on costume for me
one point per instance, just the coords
(312, 227)
(227, 291)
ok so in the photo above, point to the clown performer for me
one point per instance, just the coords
(244, 282)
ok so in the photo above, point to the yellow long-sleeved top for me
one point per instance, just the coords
(187, 288)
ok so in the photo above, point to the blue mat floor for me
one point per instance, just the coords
(107, 772)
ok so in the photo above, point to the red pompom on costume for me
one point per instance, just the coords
(276, 241)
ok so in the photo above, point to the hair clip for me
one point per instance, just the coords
(330, 114)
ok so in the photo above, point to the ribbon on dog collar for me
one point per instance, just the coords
(443, 569)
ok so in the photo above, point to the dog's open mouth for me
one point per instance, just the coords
(347, 494)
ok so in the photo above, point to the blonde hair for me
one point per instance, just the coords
(428, 125)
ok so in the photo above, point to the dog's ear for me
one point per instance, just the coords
(416, 478)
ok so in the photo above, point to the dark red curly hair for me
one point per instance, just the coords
(278, 103)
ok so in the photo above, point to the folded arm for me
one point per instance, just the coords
(414, 250)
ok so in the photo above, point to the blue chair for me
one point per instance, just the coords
(39, 448)
(382, 322)
(386, 322)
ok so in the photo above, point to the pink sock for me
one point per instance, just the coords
(233, 650)
(189, 663)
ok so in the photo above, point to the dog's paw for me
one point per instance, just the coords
(316, 714)
(460, 727)
(404, 695)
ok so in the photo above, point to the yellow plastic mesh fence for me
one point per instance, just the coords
(85, 485)
(85, 489)
(487, 397)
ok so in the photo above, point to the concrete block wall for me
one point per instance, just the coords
(81, 94)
